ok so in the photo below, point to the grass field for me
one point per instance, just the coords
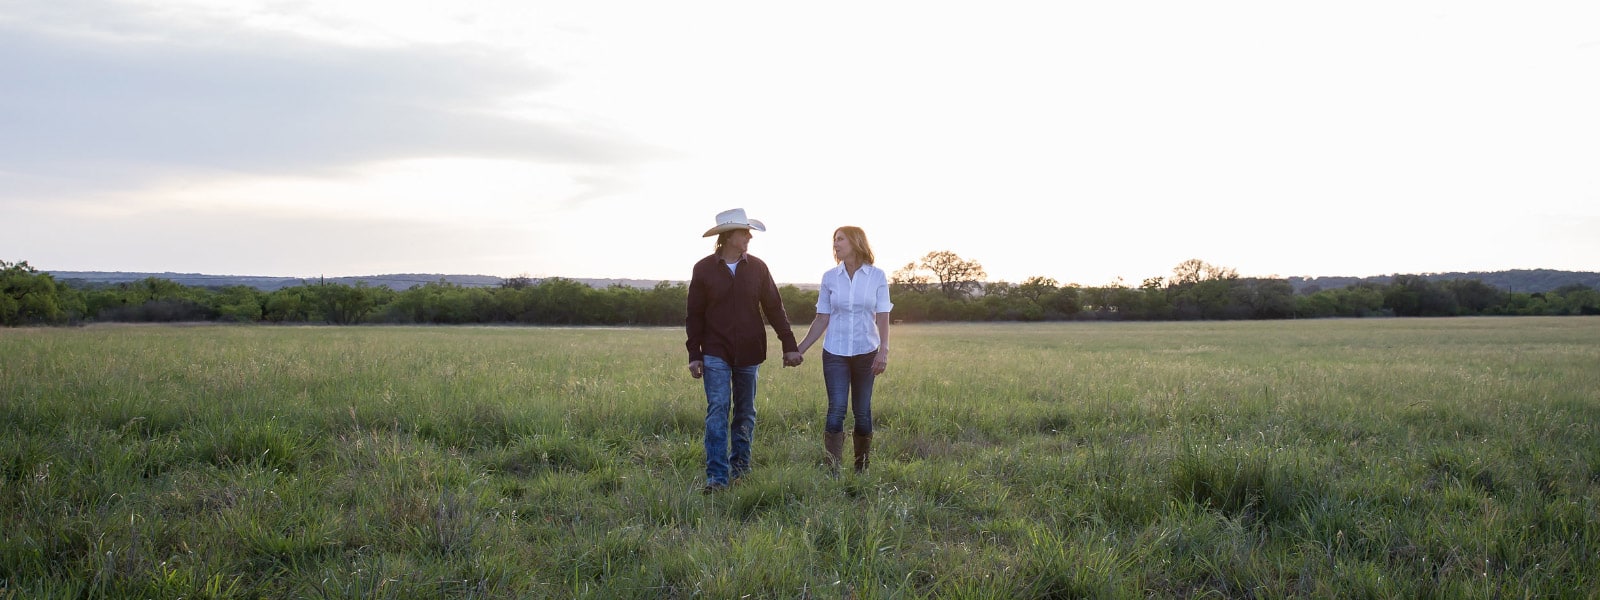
(1396, 458)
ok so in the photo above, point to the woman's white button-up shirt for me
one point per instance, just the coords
(852, 306)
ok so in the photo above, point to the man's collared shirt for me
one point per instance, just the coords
(726, 308)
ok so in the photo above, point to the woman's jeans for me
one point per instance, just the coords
(728, 388)
(848, 379)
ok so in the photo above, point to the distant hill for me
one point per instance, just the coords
(394, 281)
(1520, 280)
(1524, 280)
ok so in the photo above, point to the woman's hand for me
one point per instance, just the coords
(880, 363)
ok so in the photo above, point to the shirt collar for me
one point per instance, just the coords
(840, 268)
(725, 261)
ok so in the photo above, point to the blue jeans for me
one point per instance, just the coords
(848, 379)
(728, 387)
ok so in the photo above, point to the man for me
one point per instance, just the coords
(728, 294)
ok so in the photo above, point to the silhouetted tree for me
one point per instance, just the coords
(955, 276)
(911, 278)
(1194, 271)
(519, 282)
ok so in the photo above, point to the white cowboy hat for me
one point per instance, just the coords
(730, 220)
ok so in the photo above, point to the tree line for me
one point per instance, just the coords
(941, 286)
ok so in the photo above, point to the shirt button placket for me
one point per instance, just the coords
(853, 306)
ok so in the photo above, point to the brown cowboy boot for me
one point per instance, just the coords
(834, 444)
(863, 451)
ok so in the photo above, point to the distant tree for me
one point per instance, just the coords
(1416, 296)
(1062, 303)
(1113, 301)
(1187, 272)
(519, 282)
(1037, 289)
(1003, 301)
(561, 301)
(1572, 288)
(28, 296)
(911, 278)
(441, 302)
(1194, 271)
(1151, 301)
(800, 305)
(343, 304)
(1268, 298)
(1404, 295)
(667, 304)
(1225, 299)
(617, 304)
(933, 305)
(157, 288)
(1201, 290)
(1576, 299)
(240, 303)
(1473, 296)
(513, 305)
(912, 305)
(1518, 303)
(1316, 305)
(955, 276)
(152, 299)
(1361, 300)
(288, 305)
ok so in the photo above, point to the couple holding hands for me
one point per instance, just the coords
(728, 294)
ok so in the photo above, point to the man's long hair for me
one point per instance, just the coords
(722, 240)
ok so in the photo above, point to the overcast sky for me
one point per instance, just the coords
(1073, 140)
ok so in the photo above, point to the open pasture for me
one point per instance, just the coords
(1397, 458)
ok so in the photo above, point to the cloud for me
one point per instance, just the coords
(113, 100)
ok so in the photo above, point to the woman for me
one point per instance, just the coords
(853, 309)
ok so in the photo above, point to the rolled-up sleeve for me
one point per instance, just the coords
(825, 297)
(882, 304)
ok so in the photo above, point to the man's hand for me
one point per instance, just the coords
(697, 368)
(793, 359)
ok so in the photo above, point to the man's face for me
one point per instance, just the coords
(739, 241)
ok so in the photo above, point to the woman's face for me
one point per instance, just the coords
(841, 247)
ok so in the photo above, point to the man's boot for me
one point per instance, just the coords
(834, 444)
(863, 451)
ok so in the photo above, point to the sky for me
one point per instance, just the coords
(1087, 142)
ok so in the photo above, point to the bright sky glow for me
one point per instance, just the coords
(1079, 141)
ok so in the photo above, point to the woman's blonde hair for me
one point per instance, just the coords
(858, 241)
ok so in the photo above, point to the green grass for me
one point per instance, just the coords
(1392, 458)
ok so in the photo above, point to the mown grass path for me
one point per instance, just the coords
(1399, 458)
